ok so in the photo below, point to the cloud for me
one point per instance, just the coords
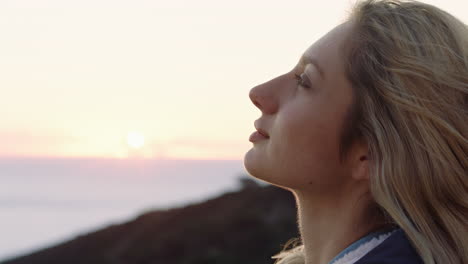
(31, 143)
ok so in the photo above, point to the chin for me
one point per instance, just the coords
(257, 168)
(252, 164)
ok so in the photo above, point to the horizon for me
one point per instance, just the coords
(81, 77)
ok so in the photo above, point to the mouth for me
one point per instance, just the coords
(263, 132)
(257, 136)
(260, 130)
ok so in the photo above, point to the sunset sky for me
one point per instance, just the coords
(79, 77)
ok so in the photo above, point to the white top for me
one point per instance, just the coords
(361, 247)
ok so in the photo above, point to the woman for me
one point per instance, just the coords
(369, 132)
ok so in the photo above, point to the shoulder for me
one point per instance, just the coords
(396, 249)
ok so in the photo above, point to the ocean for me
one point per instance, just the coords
(47, 201)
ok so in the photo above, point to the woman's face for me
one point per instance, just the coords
(304, 123)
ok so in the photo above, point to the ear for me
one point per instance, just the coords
(360, 161)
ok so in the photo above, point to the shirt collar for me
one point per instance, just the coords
(362, 246)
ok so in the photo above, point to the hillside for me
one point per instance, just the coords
(247, 226)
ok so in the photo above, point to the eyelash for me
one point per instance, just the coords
(300, 81)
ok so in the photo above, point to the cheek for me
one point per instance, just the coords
(307, 147)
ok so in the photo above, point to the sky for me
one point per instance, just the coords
(78, 77)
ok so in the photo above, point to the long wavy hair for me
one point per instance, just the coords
(407, 62)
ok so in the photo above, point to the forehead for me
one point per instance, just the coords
(328, 51)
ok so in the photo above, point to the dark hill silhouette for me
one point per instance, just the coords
(247, 226)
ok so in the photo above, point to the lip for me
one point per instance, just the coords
(257, 136)
(260, 134)
(261, 130)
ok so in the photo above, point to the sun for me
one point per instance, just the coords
(135, 140)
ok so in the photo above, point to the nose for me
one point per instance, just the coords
(262, 96)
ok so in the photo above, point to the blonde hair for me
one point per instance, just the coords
(407, 62)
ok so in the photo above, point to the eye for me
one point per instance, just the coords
(300, 81)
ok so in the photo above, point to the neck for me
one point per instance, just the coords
(328, 226)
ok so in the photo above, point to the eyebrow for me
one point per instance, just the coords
(309, 60)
